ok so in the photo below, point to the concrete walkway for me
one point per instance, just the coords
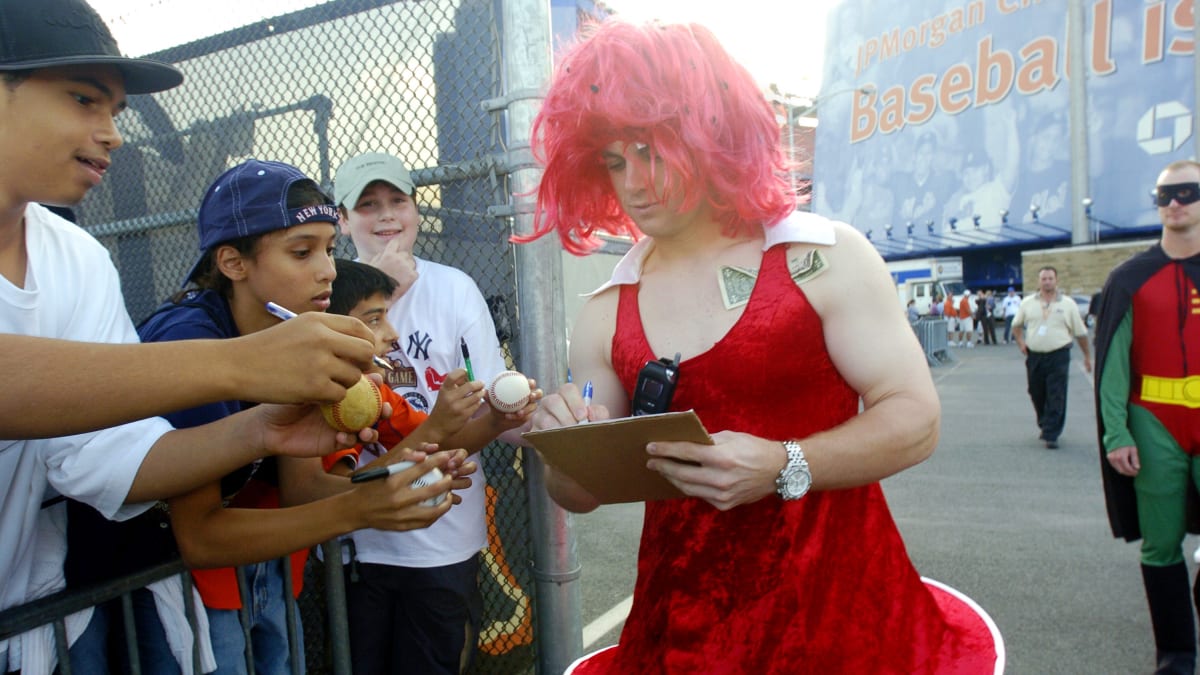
(1022, 529)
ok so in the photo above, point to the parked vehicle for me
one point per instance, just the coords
(1084, 302)
(923, 279)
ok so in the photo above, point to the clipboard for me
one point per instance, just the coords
(608, 458)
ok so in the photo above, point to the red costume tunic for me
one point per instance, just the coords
(1166, 344)
(818, 585)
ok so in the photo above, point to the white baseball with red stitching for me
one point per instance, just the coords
(509, 392)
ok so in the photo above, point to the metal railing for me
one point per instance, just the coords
(934, 339)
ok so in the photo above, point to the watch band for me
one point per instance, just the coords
(794, 479)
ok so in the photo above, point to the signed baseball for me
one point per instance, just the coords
(434, 475)
(360, 409)
(509, 392)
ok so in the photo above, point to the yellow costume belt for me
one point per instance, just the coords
(1184, 391)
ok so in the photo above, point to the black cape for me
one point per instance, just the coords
(1115, 300)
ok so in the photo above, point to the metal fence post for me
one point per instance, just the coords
(527, 66)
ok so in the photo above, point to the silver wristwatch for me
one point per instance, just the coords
(795, 479)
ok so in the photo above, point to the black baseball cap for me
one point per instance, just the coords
(50, 33)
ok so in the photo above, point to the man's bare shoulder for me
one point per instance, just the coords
(599, 311)
(849, 253)
(592, 334)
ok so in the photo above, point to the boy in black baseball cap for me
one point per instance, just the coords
(62, 82)
(53, 33)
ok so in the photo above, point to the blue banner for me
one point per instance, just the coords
(944, 128)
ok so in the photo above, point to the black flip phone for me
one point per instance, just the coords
(655, 386)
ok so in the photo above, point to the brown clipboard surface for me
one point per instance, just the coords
(608, 458)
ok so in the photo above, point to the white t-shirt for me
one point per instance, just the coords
(443, 306)
(1011, 304)
(71, 291)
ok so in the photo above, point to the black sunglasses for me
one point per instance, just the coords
(1184, 193)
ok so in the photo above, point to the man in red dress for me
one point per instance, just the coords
(783, 557)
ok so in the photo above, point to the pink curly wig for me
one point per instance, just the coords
(675, 88)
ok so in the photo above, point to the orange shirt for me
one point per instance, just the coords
(218, 586)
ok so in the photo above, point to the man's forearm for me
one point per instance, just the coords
(886, 438)
(185, 459)
(82, 386)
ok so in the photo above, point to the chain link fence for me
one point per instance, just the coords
(314, 88)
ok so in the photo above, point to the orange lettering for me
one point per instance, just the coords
(921, 97)
(1153, 39)
(863, 117)
(891, 118)
(1000, 63)
(1182, 18)
(890, 45)
(954, 95)
(1037, 70)
(1102, 63)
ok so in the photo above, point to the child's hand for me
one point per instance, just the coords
(395, 504)
(458, 401)
(459, 468)
(401, 453)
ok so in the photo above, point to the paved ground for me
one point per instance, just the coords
(1019, 528)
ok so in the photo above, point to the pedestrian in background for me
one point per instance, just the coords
(966, 319)
(983, 318)
(950, 311)
(1011, 303)
(1043, 327)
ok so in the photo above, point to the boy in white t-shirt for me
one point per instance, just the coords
(425, 581)
(64, 81)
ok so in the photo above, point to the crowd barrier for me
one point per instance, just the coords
(322, 607)
(935, 342)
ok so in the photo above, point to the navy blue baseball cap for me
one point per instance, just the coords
(50, 33)
(251, 199)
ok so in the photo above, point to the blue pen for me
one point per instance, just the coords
(587, 399)
(284, 313)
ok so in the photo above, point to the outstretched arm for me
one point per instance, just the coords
(83, 387)
(184, 459)
(590, 361)
(212, 536)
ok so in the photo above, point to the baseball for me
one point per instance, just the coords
(509, 392)
(434, 475)
(360, 409)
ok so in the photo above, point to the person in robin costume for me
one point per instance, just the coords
(1148, 407)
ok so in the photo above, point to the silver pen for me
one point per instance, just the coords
(284, 313)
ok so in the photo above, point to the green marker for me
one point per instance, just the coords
(466, 359)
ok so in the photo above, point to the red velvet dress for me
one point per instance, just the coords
(819, 585)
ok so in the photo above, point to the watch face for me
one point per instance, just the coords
(797, 484)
